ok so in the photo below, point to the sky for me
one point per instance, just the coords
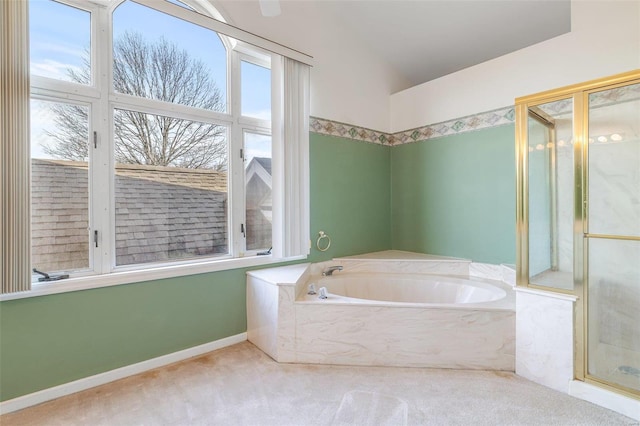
(60, 36)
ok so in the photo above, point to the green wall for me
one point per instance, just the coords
(49, 340)
(451, 196)
(55, 339)
(350, 196)
(455, 195)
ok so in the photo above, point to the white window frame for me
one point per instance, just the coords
(264, 132)
(244, 53)
(102, 100)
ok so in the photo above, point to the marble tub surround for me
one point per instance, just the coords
(270, 314)
(404, 261)
(308, 330)
(544, 348)
(503, 272)
(509, 274)
(405, 337)
(398, 261)
(394, 255)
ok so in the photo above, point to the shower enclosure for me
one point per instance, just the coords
(578, 172)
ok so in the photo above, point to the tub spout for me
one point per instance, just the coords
(327, 272)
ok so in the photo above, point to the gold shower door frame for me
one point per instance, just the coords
(579, 93)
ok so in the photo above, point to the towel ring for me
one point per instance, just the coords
(319, 243)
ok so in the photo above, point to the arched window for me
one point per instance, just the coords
(152, 142)
(170, 59)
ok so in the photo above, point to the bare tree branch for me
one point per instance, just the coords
(152, 70)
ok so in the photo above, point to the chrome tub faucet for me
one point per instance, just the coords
(327, 272)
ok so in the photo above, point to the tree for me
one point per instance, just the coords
(152, 70)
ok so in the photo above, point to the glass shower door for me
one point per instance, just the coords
(550, 164)
(578, 218)
(613, 237)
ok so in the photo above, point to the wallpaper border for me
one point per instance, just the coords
(484, 120)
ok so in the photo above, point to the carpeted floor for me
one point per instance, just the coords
(240, 385)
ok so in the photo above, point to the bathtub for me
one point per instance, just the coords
(396, 289)
(388, 308)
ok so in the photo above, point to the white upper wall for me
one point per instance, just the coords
(348, 82)
(605, 40)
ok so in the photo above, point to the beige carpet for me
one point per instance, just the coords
(240, 385)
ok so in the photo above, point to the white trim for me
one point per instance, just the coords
(45, 395)
(613, 401)
(62, 89)
(253, 55)
(101, 191)
(154, 106)
(226, 29)
(130, 277)
(255, 124)
(235, 203)
(277, 155)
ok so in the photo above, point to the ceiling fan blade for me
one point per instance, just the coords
(270, 7)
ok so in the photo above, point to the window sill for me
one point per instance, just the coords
(141, 275)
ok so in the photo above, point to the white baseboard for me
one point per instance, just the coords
(622, 404)
(119, 373)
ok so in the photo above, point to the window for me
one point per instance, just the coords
(256, 90)
(59, 37)
(59, 188)
(157, 151)
(170, 203)
(168, 59)
(258, 183)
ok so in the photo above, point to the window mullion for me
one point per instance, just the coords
(277, 165)
(236, 165)
(62, 89)
(101, 186)
(152, 106)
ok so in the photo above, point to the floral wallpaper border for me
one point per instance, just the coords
(498, 117)
(484, 120)
(596, 100)
(343, 130)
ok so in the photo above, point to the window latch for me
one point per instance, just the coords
(265, 253)
(242, 230)
(47, 277)
(95, 237)
(95, 139)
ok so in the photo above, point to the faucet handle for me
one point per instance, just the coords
(323, 293)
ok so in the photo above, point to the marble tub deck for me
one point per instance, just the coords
(291, 330)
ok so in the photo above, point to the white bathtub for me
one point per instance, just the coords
(392, 308)
(405, 289)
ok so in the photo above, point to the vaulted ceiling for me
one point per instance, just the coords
(426, 39)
